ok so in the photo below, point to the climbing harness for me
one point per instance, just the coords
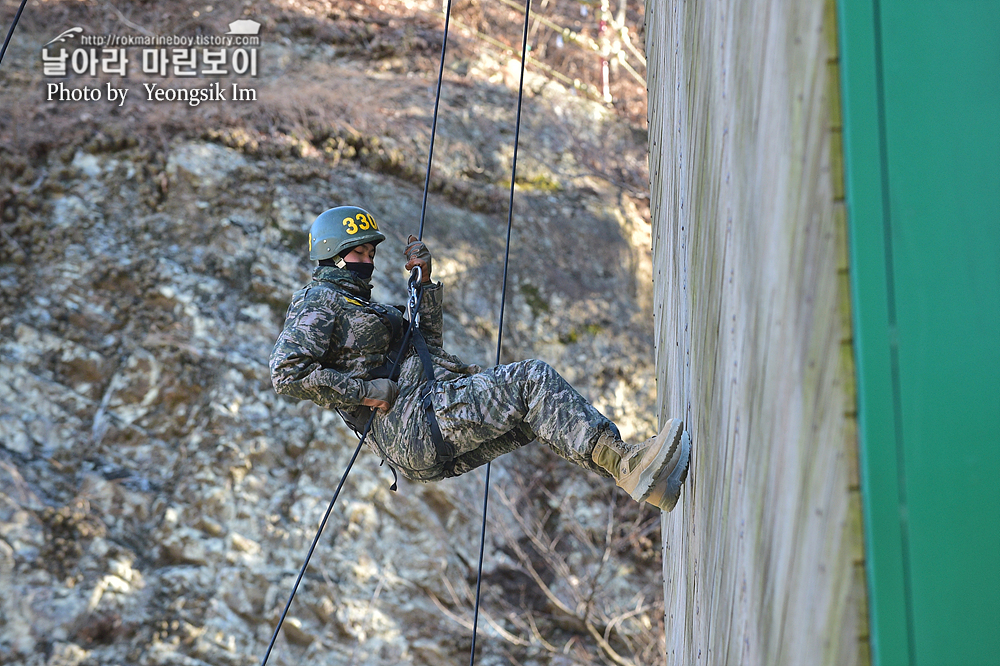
(415, 339)
(412, 336)
(445, 449)
(404, 337)
(10, 32)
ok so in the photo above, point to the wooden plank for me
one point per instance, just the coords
(761, 557)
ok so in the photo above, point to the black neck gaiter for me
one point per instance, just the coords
(361, 269)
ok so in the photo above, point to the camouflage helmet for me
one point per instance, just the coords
(339, 229)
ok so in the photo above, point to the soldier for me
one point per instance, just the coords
(442, 417)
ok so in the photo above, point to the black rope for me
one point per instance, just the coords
(326, 516)
(434, 121)
(503, 299)
(13, 25)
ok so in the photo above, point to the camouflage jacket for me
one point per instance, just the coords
(334, 337)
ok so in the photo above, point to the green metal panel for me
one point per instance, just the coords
(921, 91)
(942, 110)
(876, 428)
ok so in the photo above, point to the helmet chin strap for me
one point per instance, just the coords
(337, 261)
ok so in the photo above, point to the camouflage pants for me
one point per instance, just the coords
(491, 413)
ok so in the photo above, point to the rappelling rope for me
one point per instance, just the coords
(503, 300)
(434, 121)
(319, 532)
(10, 33)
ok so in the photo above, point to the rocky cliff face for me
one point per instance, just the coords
(157, 498)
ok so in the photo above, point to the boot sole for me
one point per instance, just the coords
(664, 456)
(666, 491)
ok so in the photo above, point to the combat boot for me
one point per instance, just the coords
(653, 471)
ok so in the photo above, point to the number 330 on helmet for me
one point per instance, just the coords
(339, 229)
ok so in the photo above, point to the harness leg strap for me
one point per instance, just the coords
(445, 450)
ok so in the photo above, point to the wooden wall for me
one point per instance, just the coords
(763, 556)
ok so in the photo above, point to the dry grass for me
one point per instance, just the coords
(555, 599)
(400, 35)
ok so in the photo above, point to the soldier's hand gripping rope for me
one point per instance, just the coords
(418, 257)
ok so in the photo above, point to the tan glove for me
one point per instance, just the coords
(379, 393)
(417, 254)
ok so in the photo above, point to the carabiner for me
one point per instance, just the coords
(412, 304)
